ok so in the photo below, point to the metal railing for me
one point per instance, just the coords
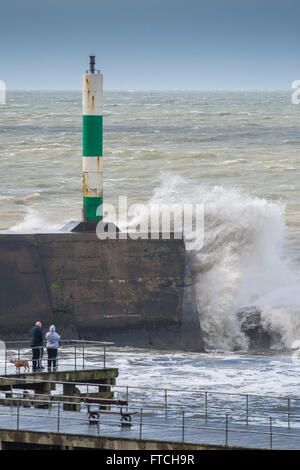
(216, 409)
(211, 403)
(72, 354)
(207, 403)
(181, 427)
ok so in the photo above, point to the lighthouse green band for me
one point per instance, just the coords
(92, 207)
(92, 136)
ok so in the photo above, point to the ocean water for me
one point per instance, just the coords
(235, 152)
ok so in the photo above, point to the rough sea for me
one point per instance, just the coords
(238, 153)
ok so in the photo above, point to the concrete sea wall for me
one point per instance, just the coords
(127, 291)
(32, 440)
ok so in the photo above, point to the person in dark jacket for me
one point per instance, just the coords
(36, 343)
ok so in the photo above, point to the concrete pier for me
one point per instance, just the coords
(44, 383)
(127, 291)
(32, 440)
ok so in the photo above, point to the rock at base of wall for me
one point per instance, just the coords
(250, 323)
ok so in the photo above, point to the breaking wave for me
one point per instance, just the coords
(34, 222)
(243, 262)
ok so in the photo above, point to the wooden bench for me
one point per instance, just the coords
(102, 403)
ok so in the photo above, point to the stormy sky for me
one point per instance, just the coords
(151, 44)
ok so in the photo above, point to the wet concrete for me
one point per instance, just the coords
(127, 291)
(158, 432)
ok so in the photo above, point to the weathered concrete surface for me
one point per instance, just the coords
(126, 291)
(43, 383)
(35, 380)
(39, 440)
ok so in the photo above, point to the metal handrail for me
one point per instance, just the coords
(169, 407)
(158, 389)
(149, 406)
(211, 410)
(79, 355)
(144, 423)
(85, 384)
(64, 341)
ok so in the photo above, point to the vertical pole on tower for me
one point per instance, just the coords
(92, 143)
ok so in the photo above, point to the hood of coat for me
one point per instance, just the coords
(52, 328)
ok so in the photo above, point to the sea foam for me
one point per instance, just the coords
(243, 262)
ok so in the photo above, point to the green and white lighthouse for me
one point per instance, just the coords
(92, 143)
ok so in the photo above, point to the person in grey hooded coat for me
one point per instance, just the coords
(52, 347)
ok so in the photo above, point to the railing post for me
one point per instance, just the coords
(166, 402)
(98, 425)
(247, 410)
(18, 353)
(75, 357)
(127, 397)
(83, 357)
(289, 413)
(18, 415)
(141, 423)
(271, 434)
(104, 357)
(5, 360)
(182, 425)
(58, 417)
(226, 431)
(206, 407)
